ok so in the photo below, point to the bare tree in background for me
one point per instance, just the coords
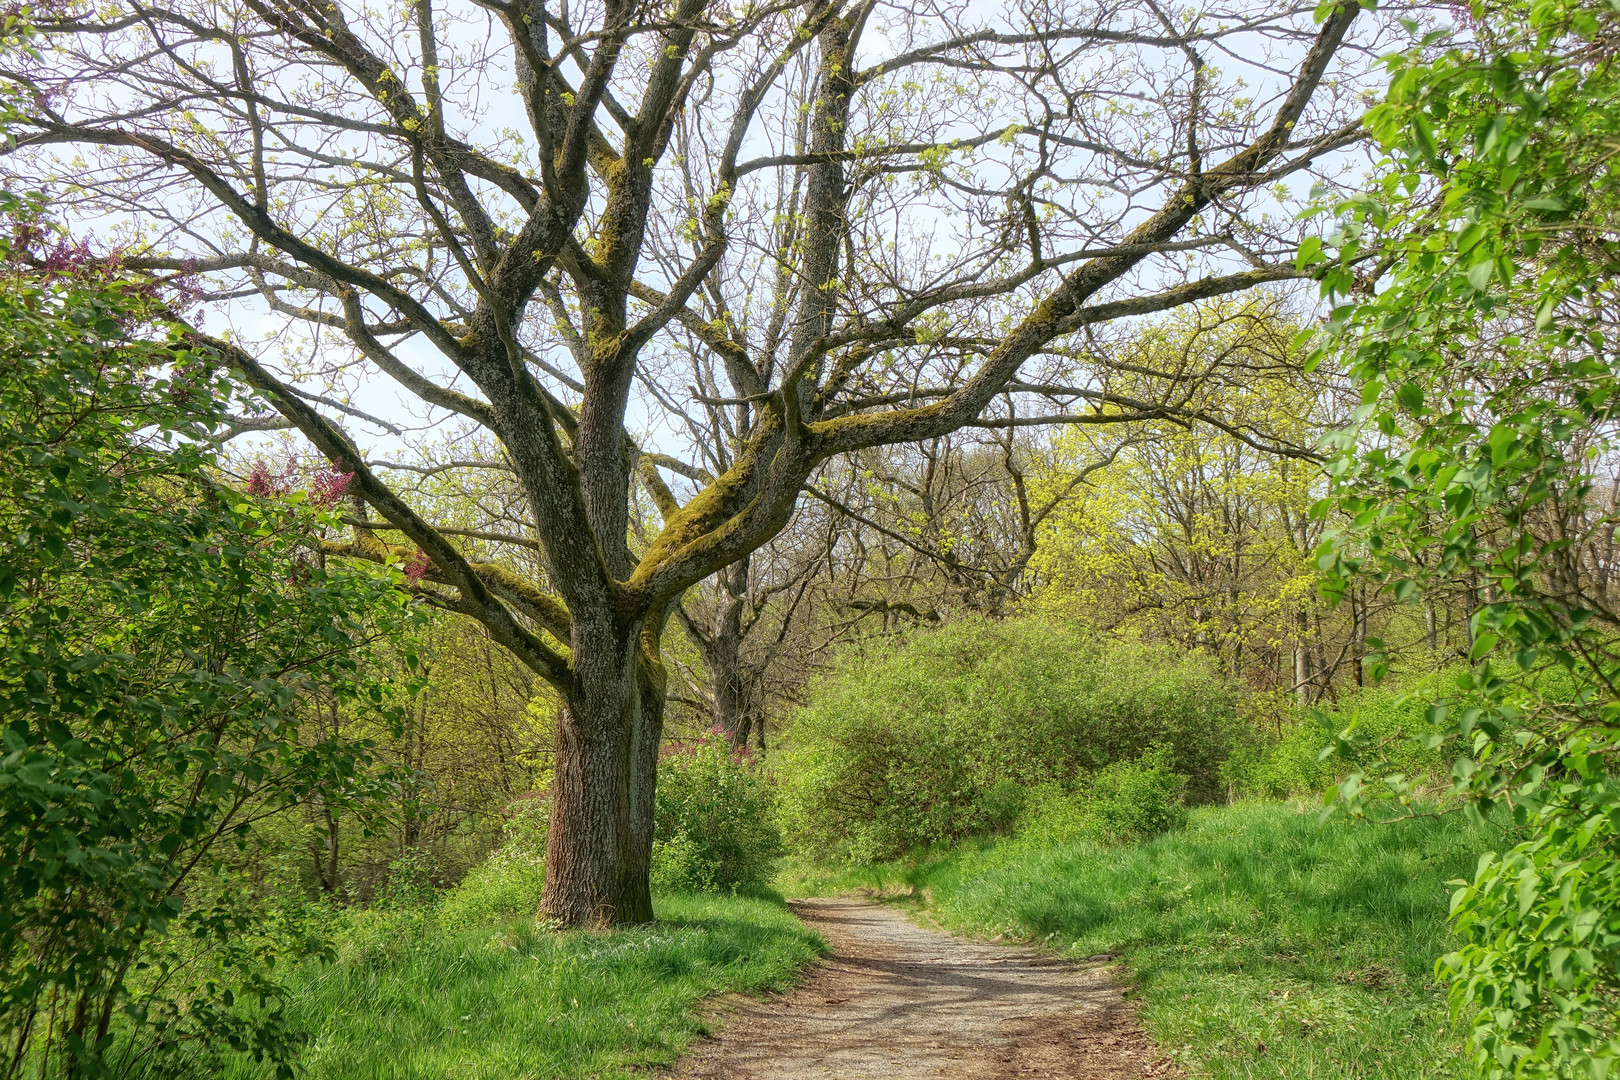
(965, 190)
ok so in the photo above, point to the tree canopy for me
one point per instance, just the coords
(861, 225)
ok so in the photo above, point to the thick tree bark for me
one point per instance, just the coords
(599, 849)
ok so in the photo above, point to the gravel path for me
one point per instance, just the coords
(897, 1000)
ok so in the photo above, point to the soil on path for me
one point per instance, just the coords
(898, 1000)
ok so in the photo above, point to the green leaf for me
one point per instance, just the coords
(1310, 252)
(1558, 965)
(1544, 313)
(1423, 133)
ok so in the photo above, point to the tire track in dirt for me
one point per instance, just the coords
(898, 1000)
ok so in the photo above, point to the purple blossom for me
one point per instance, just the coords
(329, 486)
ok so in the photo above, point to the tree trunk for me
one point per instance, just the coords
(1358, 616)
(732, 692)
(730, 683)
(331, 846)
(599, 849)
(1302, 658)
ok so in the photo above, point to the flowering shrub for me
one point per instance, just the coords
(417, 567)
(326, 485)
(166, 653)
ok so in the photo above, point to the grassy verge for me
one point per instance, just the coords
(410, 1000)
(1263, 944)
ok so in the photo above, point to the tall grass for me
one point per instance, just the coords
(1262, 942)
(410, 999)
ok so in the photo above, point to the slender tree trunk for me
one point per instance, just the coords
(1302, 658)
(731, 691)
(732, 711)
(1358, 616)
(599, 849)
(331, 847)
(1472, 606)
(75, 1060)
(1319, 664)
(730, 684)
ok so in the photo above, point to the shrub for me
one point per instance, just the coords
(716, 826)
(1385, 723)
(1053, 815)
(409, 883)
(925, 742)
(1131, 801)
(1002, 805)
(168, 651)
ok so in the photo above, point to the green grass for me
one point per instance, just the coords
(1263, 943)
(409, 1000)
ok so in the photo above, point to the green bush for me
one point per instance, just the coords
(168, 655)
(409, 883)
(1002, 806)
(1385, 724)
(1054, 815)
(940, 736)
(1132, 801)
(1126, 802)
(716, 826)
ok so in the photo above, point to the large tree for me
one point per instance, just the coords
(870, 220)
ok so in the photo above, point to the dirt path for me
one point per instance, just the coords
(897, 1000)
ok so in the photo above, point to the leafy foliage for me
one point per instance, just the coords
(1314, 749)
(916, 744)
(508, 884)
(1136, 800)
(716, 825)
(1122, 803)
(163, 641)
(1489, 380)
(1191, 534)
